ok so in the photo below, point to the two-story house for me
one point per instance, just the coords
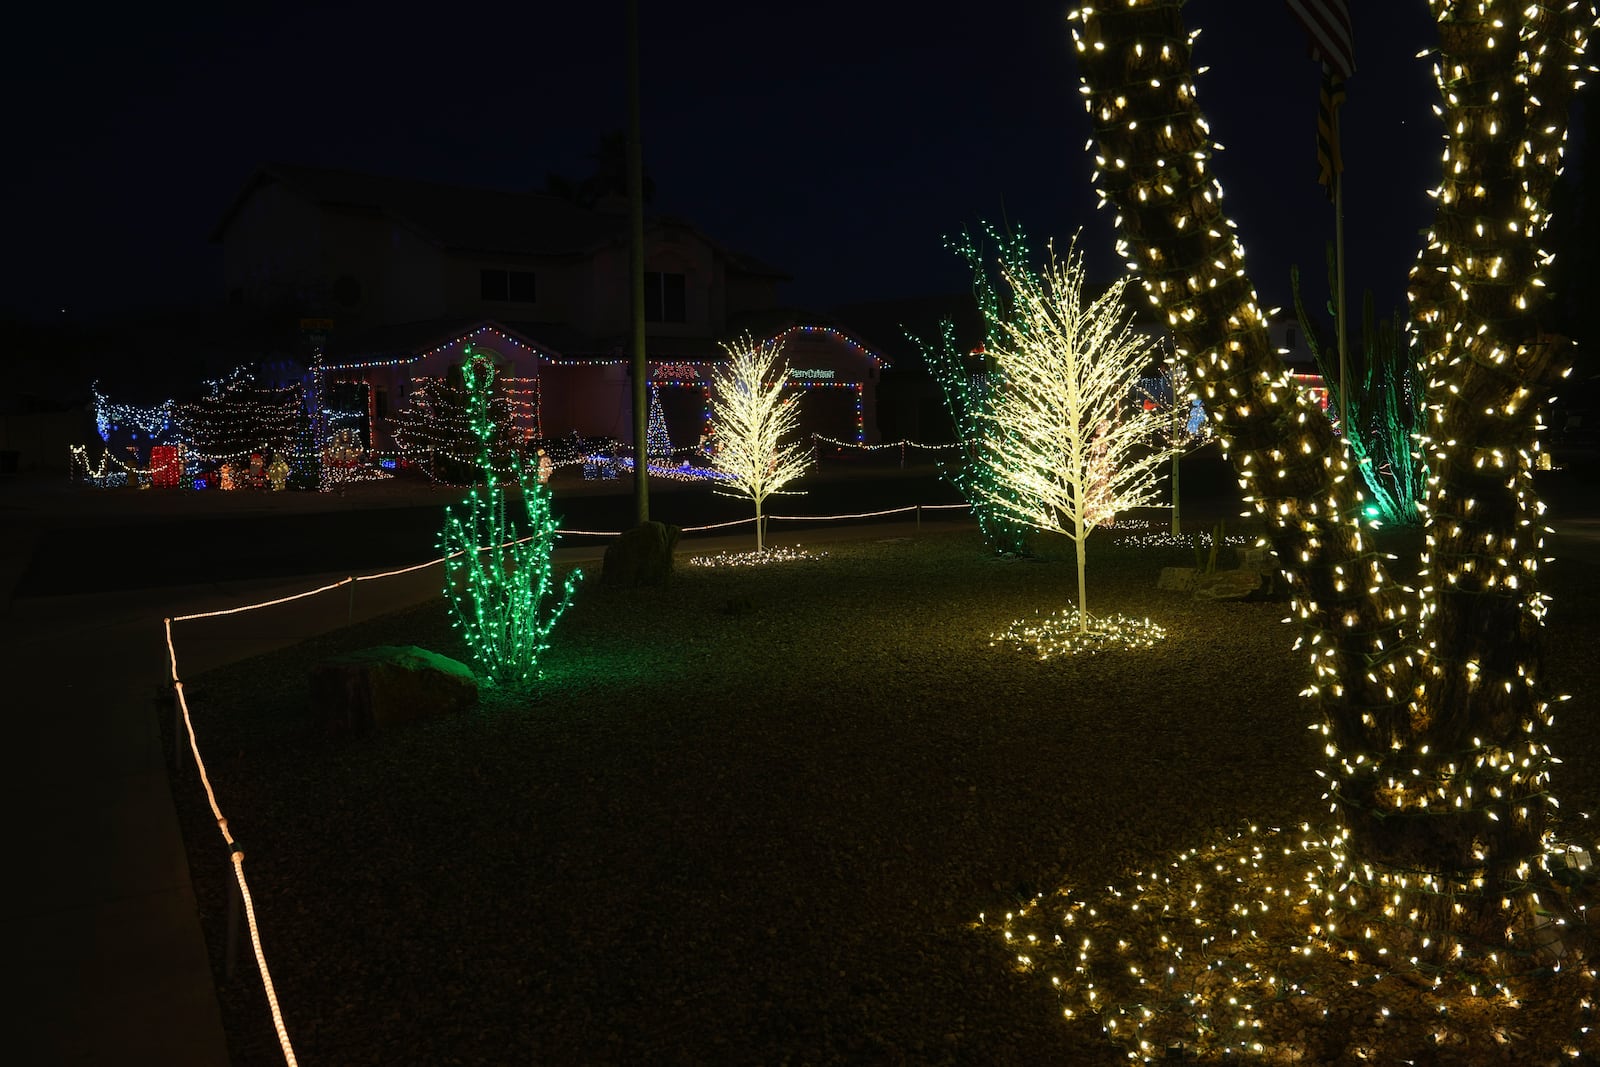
(410, 272)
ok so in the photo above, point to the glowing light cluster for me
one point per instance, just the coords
(1229, 950)
(759, 558)
(1067, 633)
(1147, 538)
(437, 433)
(884, 445)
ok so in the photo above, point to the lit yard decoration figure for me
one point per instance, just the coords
(497, 570)
(1066, 441)
(658, 444)
(754, 416)
(278, 472)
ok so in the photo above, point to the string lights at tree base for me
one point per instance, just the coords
(1060, 634)
(1238, 952)
(757, 558)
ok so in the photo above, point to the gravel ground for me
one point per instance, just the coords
(752, 817)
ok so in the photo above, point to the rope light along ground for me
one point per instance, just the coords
(237, 855)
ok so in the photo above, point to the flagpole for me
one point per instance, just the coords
(1339, 317)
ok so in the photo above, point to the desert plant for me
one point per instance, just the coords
(1386, 402)
(499, 581)
(969, 383)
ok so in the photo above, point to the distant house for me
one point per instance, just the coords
(409, 273)
(368, 251)
(552, 395)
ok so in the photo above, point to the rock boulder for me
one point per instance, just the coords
(389, 685)
(640, 556)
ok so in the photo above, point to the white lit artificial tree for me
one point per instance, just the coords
(1067, 443)
(1441, 874)
(755, 414)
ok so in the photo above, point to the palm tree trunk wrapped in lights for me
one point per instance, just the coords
(1432, 702)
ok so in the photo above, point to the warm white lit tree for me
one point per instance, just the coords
(1066, 439)
(1447, 882)
(754, 415)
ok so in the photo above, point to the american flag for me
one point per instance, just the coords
(1327, 24)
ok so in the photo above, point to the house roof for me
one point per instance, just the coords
(560, 343)
(412, 340)
(465, 218)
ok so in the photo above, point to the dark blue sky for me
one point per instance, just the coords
(838, 140)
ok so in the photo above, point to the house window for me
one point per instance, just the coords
(514, 286)
(665, 297)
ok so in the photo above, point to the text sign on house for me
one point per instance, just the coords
(811, 374)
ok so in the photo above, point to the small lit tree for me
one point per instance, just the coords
(1066, 440)
(969, 395)
(754, 414)
(439, 430)
(497, 571)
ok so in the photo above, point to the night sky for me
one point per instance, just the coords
(838, 141)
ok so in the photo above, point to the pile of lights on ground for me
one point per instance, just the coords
(758, 558)
(1237, 950)
(1140, 534)
(1060, 634)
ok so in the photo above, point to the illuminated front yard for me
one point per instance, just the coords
(752, 817)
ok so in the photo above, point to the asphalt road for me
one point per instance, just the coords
(112, 548)
(111, 551)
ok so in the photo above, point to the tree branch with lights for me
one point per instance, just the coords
(755, 415)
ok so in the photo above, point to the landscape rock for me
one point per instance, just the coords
(640, 556)
(385, 686)
(1177, 579)
(1229, 585)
